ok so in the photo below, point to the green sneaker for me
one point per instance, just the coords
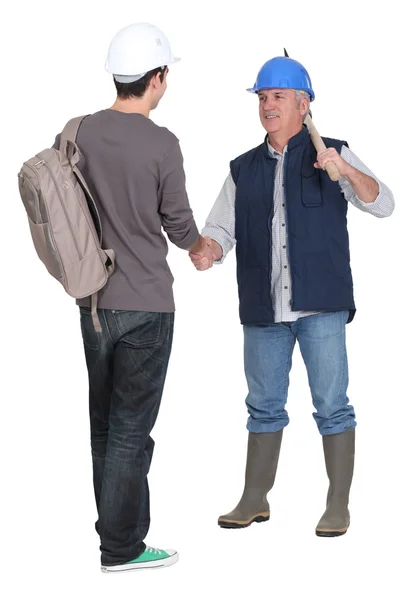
(151, 558)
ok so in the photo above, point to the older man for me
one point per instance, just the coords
(288, 221)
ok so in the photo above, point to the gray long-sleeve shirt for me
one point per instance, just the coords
(134, 169)
(220, 226)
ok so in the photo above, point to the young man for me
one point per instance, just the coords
(134, 170)
(288, 221)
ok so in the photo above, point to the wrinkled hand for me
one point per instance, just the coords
(202, 257)
(331, 155)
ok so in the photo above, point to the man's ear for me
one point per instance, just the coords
(153, 81)
(157, 79)
(305, 106)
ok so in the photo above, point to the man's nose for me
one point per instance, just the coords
(268, 104)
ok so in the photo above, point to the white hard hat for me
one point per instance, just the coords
(136, 50)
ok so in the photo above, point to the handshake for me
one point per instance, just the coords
(204, 252)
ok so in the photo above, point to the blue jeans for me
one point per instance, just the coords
(127, 365)
(268, 359)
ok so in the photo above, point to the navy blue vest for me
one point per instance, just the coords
(316, 226)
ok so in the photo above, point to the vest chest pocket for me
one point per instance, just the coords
(310, 187)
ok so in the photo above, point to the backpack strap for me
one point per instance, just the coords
(70, 154)
(95, 316)
(110, 254)
(68, 148)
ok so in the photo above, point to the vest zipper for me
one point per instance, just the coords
(63, 207)
(270, 217)
(287, 222)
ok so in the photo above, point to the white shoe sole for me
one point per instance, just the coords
(150, 564)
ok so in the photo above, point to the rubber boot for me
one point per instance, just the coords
(262, 461)
(339, 461)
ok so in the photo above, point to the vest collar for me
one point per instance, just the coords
(298, 139)
(294, 142)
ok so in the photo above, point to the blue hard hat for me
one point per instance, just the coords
(283, 72)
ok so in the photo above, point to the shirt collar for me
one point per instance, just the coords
(296, 140)
(274, 153)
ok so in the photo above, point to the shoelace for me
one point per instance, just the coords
(153, 550)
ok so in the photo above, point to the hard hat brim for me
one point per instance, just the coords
(255, 90)
(131, 77)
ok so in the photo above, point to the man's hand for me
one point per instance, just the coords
(201, 254)
(364, 186)
(331, 155)
(204, 253)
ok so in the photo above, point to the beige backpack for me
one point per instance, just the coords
(64, 221)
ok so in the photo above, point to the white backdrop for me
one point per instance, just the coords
(53, 57)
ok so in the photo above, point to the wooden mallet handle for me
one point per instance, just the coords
(319, 145)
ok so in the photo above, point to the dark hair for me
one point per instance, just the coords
(138, 88)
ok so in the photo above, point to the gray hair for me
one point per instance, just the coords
(303, 94)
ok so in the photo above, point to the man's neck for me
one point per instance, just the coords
(280, 140)
(139, 106)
